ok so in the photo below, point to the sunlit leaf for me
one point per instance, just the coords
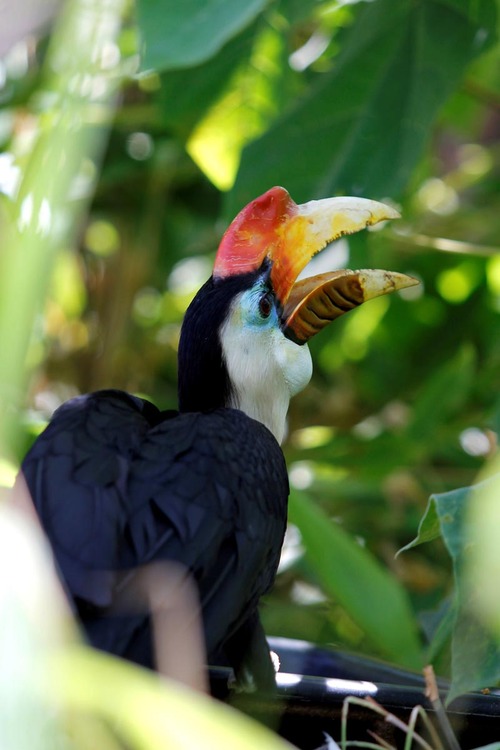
(362, 128)
(247, 106)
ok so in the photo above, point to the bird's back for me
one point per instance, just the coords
(119, 485)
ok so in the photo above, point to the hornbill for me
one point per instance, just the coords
(119, 484)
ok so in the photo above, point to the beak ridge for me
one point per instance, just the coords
(314, 225)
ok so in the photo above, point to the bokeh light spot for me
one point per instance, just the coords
(360, 327)
(438, 197)
(493, 274)
(8, 473)
(68, 289)
(140, 146)
(312, 437)
(475, 442)
(475, 159)
(456, 284)
(147, 306)
(102, 238)
(301, 475)
(188, 275)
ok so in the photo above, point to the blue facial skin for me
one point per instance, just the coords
(258, 306)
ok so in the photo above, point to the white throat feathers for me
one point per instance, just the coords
(265, 368)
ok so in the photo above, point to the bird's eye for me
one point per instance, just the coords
(265, 305)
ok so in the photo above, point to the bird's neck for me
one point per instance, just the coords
(268, 407)
(264, 374)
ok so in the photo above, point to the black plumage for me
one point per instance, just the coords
(119, 484)
(206, 387)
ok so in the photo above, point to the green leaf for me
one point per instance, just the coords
(475, 654)
(181, 34)
(429, 527)
(475, 645)
(34, 620)
(442, 628)
(442, 396)
(363, 127)
(481, 12)
(151, 713)
(443, 517)
(249, 103)
(370, 594)
(186, 94)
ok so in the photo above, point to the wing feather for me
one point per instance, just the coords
(119, 484)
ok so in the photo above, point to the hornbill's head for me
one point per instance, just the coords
(244, 337)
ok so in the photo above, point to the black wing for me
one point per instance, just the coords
(119, 484)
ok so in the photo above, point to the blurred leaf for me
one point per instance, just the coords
(480, 572)
(482, 13)
(442, 396)
(178, 35)
(33, 620)
(398, 64)
(152, 713)
(45, 213)
(372, 597)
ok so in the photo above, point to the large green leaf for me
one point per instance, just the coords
(151, 714)
(362, 128)
(371, 595)
(454, 516)
(186, 94)
(181, 34)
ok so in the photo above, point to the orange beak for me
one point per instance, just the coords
(288, 235)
